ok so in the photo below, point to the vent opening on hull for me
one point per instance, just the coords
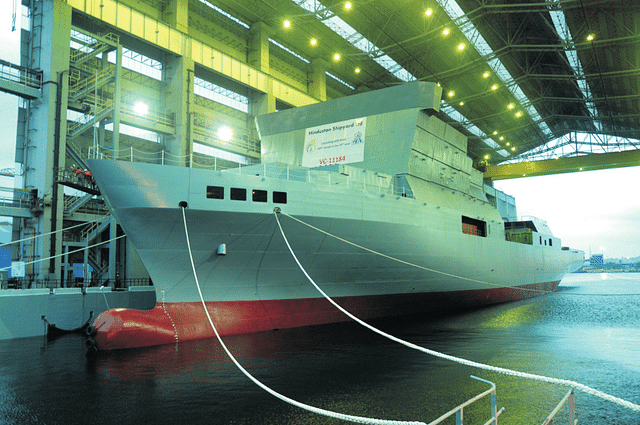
(471, 226)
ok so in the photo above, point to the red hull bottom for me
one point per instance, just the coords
(169, 323)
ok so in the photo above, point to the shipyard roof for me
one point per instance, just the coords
(515, 75)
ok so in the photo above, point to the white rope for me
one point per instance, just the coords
(505, 371)
(55, 231)
(67, 253)
(364, 248)
(357, 419)
(407, 262)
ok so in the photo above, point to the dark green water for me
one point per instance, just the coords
(589, 332)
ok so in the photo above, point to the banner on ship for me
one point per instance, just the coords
(337, 143)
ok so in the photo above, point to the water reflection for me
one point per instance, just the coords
(592, 339)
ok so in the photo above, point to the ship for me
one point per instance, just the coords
(373, 194)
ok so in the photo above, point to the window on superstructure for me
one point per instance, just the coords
(259, 195)
(238, 194)
(279, 197)
(471, 226)
(215, 192)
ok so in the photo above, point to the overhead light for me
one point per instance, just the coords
(495, 132)
(336, 57)
(501, 138)
(518, 114)
(445, 31)
(486, 74)
(461, 46)
(494, 87)
(140, 108)
(357, 70)
(313, 42)
(347, 5)
(513, 149)
(451, 93)
(486, 157)
(511, 106)
(286, 23)
(590, 37)
(508, 144)
(461, 103)
(225, 133)
(428, 12)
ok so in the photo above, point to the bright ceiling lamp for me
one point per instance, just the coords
(140, 108)
(225, 133)
(451, 93)
(286, 23)
(336, 57)
(357, 70)
(590, 37)
(313, 42)
(428, 12)
(347, 5)
(445, 31)
(461, 46)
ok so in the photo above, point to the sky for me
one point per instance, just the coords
(595, 211)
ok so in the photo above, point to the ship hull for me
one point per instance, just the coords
(170, 323)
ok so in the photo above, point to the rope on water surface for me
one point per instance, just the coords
(356, 419)
(582, 387)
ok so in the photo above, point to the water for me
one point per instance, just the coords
(589, 332)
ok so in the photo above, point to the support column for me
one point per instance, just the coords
(117, 98)
(318, 79)
(113, 249)
(179, 96)
(45, 138)
(259, 46)
(262, 103)
(177, 15)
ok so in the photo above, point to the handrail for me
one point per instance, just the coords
(458, 410)
(572, 409)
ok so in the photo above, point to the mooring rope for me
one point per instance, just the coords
(364, 248)
(505, 371)
(68, 252)
(55, 231)
(342, 416)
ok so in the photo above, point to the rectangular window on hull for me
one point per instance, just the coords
(238, 194)
(215, 192)
(471, 226)
(279, 197)
(259, 195)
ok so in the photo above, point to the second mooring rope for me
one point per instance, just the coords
(356, 419)
(577, 385)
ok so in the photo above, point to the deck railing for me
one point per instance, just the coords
(459, 410)
(572, 409)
